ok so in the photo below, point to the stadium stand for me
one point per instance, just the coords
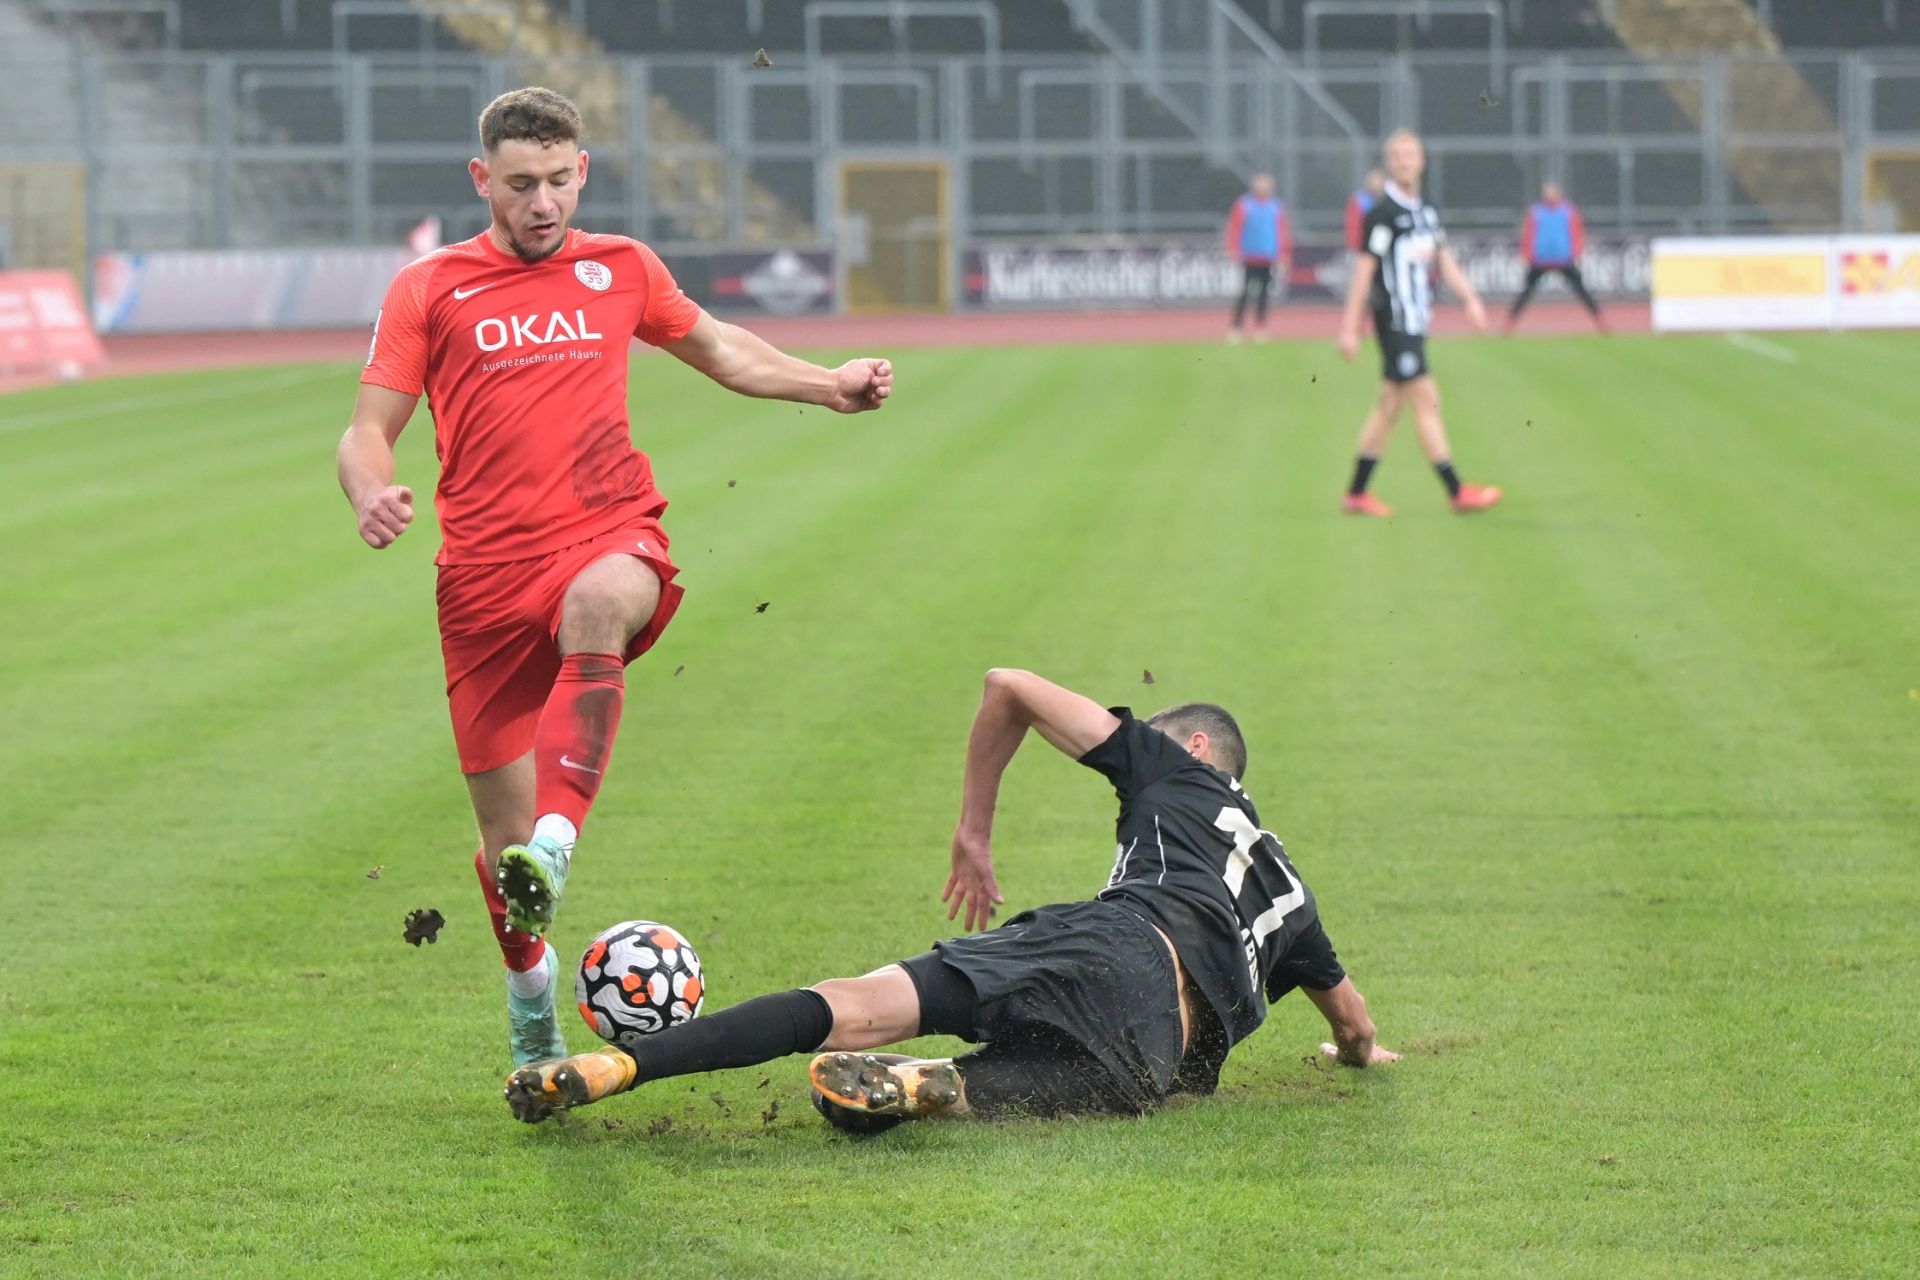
(1100, 124)
(1345, 27)
(1823, 24)
(1773, 97)
(656, 27)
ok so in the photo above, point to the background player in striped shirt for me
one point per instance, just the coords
(1552, 237)
(1260, 237)
(1109, 1006)
(1393, 275)
(554, 570)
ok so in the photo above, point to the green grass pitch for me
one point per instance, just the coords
(1609, 798)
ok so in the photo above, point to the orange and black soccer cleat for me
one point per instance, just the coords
(539, 1089)
(886, 1084)
(1365, 504)
(1475, 497)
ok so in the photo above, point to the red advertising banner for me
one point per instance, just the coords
(43, 325)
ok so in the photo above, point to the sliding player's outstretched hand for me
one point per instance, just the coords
(972, 883)
(386, 515)
(859, 385)
(1374, 1059)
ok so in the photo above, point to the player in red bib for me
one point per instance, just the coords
(554, 569)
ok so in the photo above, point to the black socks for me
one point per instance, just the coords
(760, 1030)
(1444, 470)
(1363, 466)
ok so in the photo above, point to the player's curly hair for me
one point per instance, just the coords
(532, 114)
(1222, 730)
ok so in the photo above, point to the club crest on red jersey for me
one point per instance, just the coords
(595, 275)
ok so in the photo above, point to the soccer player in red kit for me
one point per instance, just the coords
(554, 570)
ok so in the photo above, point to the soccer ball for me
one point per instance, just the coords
(638, 978)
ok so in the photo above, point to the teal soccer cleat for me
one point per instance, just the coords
(533, 1023)
(531, 878)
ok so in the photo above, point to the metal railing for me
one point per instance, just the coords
(189, 151)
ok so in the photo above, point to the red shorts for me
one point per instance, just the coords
(499, 633)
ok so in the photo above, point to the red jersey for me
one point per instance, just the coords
(524, 366)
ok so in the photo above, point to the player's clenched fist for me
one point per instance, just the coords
(861, 384)
(386, 515)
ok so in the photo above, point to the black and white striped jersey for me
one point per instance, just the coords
(1402, 235)
(1193, 859)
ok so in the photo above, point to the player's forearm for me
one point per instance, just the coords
(1355, 1045)
(364, 463)
(752, 366)
(1345, 1010)
(1456, 279)
(1357, 290)
(998, 729)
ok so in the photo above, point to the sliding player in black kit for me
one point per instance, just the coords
(1109, 1006)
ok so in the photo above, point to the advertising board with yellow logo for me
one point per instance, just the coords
(1786, 282)
(1770, 282)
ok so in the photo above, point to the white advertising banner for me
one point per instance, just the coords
(242, 289)
(1754, 282)
(1787, 282)
(1877, 282)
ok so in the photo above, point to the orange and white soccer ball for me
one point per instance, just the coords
(638, 978)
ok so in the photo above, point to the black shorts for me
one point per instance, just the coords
(1403, 356)
(1093, 974)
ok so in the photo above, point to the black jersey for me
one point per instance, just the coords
(1402, 235)
(1193, 859)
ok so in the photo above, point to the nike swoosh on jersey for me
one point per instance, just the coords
(460, 296)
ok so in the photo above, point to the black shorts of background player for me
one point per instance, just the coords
(1110, 1005)
(1403, 245)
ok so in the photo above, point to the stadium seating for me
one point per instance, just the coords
(724, 27)
(1824, 24)
(719, 27)
(1527, 24)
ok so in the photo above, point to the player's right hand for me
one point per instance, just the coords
(972, 883)
(386, 515)
(1349, 344)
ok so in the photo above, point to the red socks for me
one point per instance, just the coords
(571, 746)
(574, 739)
(521, 951)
